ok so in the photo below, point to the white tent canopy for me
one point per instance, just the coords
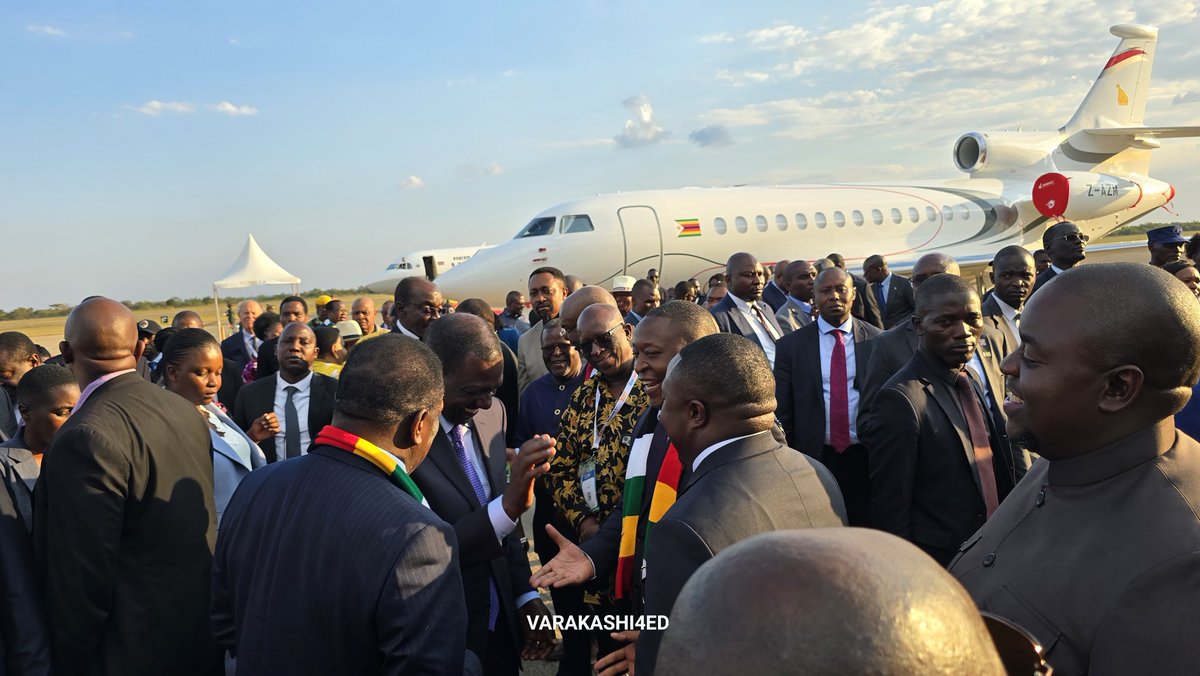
(252, 268)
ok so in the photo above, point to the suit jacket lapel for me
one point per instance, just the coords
(861, 355)
(316, 397)
(493, 461)
(745, 448)
(735, 314)
(947, 399)
(813, 341)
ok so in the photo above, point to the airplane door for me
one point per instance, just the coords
(643, 239)
(431, 270)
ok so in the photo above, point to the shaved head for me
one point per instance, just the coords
(933, 264)
(100, 338)
(601, 313)
(575, 303)
(867, 603)
(187, 319)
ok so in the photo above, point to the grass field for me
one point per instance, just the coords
(48, 331)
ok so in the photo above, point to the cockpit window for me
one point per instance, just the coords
(401, 266)
(579, 223)
(537, 227)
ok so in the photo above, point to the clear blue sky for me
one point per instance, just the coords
(141, 141)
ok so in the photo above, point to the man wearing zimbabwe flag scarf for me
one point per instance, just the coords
(652, 473)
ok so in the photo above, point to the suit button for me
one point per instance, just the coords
(558, 411)
(1041, 499)
(989, 560)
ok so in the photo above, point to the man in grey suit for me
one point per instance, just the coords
(817, 376)
(124, 517)
(1012, 279)
(723, 435)
(1097, 552)
(330, 563)
(547, 289)
(742, 311)
(893, 293)
(797, 308)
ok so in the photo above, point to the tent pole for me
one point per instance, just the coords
(217, 309)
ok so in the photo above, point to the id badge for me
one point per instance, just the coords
(587, 480)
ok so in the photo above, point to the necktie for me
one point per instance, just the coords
(291, 422)
(839, 396)
(460, 450)
(879, 295)
(979, 439)
(765, 324)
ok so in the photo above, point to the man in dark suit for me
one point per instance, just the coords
(24, 646)
(1097, 551)
(1012, 281)
(893, 293)
(125, 522)
(284, 412)
(291, 310)
(1067, 247)
(817, 375)
(940, 460)
(242, 347)
(464, 482)
(742, 311)
(18, 354)
(796, 311)
(370, 576)
(645, 299)
(865, 307)
(776, 291)
(723, 435)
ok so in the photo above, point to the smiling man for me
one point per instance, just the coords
(940, 462)
(1096, 552)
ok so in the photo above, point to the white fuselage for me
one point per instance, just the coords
(421, 264)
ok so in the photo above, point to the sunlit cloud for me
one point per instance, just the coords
(154, 108)
(46, 30)
(642, 129)
(411, 183)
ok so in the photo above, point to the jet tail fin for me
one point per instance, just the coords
(1118, 96)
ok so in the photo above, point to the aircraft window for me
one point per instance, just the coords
(719, 226)
(877, 216)
(740, 224)
(406, 266)
(913, 214)
(393, 266)
(896, 218)
(579, 223)
(931, 213)
(781, 222)
(857, 216)
(801, 222)
(537, 227)
(820, 219)
(964, 212)
(839, 219)
(760, 222)
(947, 214)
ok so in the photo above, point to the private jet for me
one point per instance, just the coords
(429, 264)
(1093, 171)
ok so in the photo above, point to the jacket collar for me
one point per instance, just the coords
(1121, 455)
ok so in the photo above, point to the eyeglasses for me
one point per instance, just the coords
(428, 310)
(604, 340)
(1073, 237)
(551, 350)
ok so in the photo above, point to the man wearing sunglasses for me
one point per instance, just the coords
(588, 469)
(1066, 246)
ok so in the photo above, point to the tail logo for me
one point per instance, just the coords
(1122, 97)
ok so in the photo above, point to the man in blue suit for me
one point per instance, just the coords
(742, 311)
(330, 562)
(242, 346)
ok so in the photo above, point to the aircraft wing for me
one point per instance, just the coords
(1149, 132)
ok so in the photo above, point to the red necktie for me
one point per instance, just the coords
(980, 440)
(839, 396)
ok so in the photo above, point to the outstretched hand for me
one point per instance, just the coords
(569, 567)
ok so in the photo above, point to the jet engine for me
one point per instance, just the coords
(996, 152)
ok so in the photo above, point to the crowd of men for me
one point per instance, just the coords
(175, 505)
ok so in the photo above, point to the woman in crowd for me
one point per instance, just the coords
(191, 367)
(1186, 272)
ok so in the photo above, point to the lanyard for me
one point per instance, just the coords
(598, 431)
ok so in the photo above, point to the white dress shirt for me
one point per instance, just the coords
(1010, 317)
(406, 332)
(884, 289)
(719, 445)
(251, 342)
(826, 344)
(300, 400)
(976, 365)
(764, 335)
(501, 524)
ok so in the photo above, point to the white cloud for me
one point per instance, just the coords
(157, 107)
(234, 110)
(712, 136)
(492, 169)
(234, 41)
(716, 38)
(411, 183)
(641, 129)
(509, 73)
(1186, 97)
(46, 30)
(742, 78)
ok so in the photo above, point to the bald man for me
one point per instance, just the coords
(867, 603)
(718, 410)
(742, 311)
(125, 523)
(1097, 551)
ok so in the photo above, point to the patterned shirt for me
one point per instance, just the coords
(575, 448)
